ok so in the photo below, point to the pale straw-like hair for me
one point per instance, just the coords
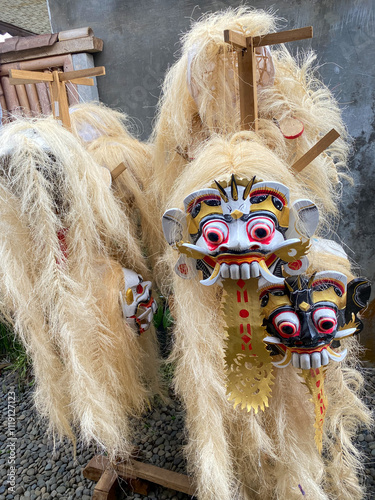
(233, 454)
(200, 98)
(105, 134)
(62, 236)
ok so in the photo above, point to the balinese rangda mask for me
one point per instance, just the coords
(306, 315)
(138, 306)
(241, 230)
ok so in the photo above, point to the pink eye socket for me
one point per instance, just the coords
(215, 233)
(260, 232)
(260, 229)
(287, 324)
(325, 320)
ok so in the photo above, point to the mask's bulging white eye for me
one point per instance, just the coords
(325, 319)
(215, 233)
(287, 324)
(260, 229)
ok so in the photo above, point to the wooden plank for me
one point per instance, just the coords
(316, 150)
(163, 477)
(35, 65)
(118, 170)
(283, 37)
(23, 99)
(236, 39)
(82, 73)
(106, 486)
(248, 89)
(20, 77)
(33, 98)
(59, 100)
(87, 44)
(75, 33)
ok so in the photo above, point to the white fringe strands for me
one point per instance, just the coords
(62, 297)
(231, 453)
(105, 134)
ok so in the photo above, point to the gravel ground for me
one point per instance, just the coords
(40, 473)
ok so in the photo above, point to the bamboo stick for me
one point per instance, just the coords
(35, 64)
(316, 150)
(3, 104)
(71, 89)
(32, 95)
(10, 96)
(23, 100)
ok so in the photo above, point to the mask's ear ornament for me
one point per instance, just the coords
(304, 318)
(136, 301)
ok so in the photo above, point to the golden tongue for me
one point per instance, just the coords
(314, 380)
(248, 363)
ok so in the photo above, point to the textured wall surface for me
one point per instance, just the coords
(30, 15)
(141, 41)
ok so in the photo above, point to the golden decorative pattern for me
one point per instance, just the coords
(314, 380)
(248, 363)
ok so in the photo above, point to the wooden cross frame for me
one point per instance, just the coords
(245, 48)
(57, 81)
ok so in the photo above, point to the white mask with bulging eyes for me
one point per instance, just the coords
(136, 301)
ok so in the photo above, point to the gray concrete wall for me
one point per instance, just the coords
(141, 41)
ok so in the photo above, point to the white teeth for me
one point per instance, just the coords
(254, 270)
(245, 271)
(224, 270)
(234, 271)
(316, 360)
(305, 361)
(295, 360)
(325, 358)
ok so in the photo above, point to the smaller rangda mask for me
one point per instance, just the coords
(138, 306)
(306, 315)
(240, 230)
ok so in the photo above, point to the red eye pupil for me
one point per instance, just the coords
(139, 288)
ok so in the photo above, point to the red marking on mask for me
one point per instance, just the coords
(183, 268)
(295, 265)
(244, 313)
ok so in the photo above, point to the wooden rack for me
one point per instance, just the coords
(136, 474)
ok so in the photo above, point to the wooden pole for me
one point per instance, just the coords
(248, 87)
(3, 104)
(10, 96)
(23, 100)
(316, 150)
(32, 96)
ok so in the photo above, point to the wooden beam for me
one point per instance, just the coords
(118, 170)
(163, 477)
(106, 486)
(83, 81)
(316, 150)
(82, 73)
(134, 471)
(236, 39)
(87, 44)
(283, 37)
(36, 64)
(59, 100)
(248, 88)
(20, 77)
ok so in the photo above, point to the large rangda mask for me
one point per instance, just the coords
(306, 315)
(240, 230)
(138, 306)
